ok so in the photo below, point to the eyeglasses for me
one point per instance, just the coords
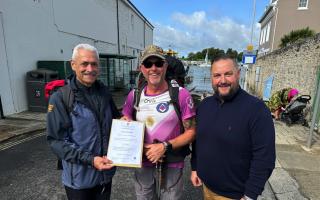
(149, 64)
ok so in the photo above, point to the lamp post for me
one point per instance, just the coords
(253, 20)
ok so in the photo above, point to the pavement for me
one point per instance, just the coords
(297, 172)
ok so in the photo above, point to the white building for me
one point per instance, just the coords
(40, 30)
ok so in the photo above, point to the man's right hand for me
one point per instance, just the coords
(196, 181)
(102, 163)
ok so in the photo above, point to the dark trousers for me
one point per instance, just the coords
(100, 192)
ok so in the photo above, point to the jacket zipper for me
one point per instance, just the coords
(72, 182)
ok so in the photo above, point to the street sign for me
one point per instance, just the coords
(248, 59)
(250, 47)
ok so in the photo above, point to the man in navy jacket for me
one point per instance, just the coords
(79, 136)
(234, 152)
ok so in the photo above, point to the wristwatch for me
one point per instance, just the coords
(167, 146)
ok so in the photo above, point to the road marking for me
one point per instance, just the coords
(13, 143)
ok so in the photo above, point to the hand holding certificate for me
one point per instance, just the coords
(126, 143)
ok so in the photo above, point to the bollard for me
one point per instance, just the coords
(1, 110)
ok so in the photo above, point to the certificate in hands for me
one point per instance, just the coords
(126, 143)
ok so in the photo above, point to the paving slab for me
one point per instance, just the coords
(296, 160)
(295, 195)
(281, 182)
(12, 127)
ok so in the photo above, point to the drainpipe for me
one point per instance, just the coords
(118, 31)
(275, 26)
(314, 117)
(1, 110)
(144, 35)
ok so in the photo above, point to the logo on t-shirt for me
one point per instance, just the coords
(162, 107)
(190, 102)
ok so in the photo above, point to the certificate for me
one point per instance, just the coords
(126, 143)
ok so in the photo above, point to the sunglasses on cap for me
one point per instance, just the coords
(148, 64)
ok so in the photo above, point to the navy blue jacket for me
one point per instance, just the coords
(234, 152)
(78, 136)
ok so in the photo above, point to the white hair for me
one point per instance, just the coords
(86, 47)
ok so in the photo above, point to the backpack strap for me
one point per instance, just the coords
(67, 97)
(176, 155)
(174, 96)
(136, 98)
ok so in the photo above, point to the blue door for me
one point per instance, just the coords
(267, 88)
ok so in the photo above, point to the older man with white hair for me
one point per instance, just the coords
(79, 134)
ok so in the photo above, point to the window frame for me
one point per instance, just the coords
(303, 7)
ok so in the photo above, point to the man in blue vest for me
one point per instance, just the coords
(234, 152)
(79, 135)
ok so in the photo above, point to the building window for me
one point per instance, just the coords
(303, 4)
(262, 35)
(265, 33)
(268, 31)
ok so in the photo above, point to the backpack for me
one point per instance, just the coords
(175, 70)
(176, 155)
(52, 86)
(65, 89)
(67, 99)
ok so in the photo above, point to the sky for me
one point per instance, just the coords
(193, 25)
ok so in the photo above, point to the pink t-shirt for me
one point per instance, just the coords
(159, 116)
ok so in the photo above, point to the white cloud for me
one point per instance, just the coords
(195, 32)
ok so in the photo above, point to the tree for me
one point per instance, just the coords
(190, 56)
(232, 53)
(213, 53)
(296, 35)
(239, 57)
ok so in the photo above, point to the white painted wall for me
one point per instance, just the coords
(5, 88)
(48, 30)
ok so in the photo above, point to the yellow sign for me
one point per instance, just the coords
(250, 47)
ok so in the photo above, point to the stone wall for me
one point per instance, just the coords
(295, 66)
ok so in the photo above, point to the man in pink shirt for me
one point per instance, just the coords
(166, 138)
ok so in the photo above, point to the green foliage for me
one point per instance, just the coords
(296, 35)
(212, 54)
(239, 57)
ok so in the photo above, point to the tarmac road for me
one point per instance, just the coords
(28, 171)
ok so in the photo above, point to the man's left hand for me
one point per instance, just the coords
(154, 152)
